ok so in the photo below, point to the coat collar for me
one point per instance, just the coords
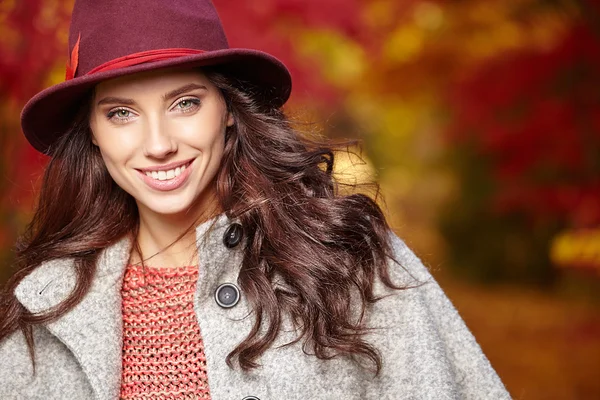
(92, 330)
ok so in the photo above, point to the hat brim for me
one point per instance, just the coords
(50, 113)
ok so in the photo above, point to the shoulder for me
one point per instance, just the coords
(404, 267)
(421, 304)
(16, 362)
(418, 331)
(57, 373)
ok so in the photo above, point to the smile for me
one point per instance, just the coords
(166, 175)
(166, 179)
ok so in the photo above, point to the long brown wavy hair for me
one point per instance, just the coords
(277, 182)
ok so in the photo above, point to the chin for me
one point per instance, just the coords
(190, 203)
(169, 207)
(175, 210)
(166, 206)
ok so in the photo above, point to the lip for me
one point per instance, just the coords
(166, 167)
(169, 184)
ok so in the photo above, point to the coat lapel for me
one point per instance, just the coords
(93, 329)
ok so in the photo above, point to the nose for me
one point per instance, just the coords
(158, 141)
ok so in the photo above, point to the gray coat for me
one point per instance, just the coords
(428, 352)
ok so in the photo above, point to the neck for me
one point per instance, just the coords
(170, 240)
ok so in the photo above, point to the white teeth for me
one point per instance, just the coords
(165, 175)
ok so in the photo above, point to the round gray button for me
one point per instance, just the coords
(227, 295)
(250, 398)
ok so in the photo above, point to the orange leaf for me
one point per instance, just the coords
(72, 64)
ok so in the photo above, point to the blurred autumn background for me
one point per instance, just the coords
(480, 119)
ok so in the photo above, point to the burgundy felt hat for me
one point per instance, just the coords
(112, 38)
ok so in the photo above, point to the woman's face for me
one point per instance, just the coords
(161, 135)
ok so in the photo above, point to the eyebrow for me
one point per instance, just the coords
(186, 88)
(173, 93)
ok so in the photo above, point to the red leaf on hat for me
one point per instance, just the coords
(72, 64)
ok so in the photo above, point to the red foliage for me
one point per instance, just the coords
(24, 66)
(536, 115)
(25, 60)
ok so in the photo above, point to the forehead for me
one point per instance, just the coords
(150, 82)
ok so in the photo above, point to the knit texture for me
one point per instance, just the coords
(163, 353)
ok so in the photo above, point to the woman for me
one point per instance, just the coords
(188, 243)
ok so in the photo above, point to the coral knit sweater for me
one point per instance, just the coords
(163, 354)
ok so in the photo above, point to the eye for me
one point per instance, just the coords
(187, 105)
(119, 114)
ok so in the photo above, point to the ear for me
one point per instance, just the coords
(230, 120)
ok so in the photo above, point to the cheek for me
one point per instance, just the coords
(212, 145)
(117, 145)
(113, 154)
(203, 135)
(218, 146)
(116, 154)
(112, 166)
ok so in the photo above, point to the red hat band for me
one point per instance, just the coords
(135, 59)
